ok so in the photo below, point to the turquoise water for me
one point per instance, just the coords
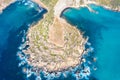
(102, 26)
(15, 21)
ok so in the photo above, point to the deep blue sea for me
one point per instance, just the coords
(101, 26)
(14, 23)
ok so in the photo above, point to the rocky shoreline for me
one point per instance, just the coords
(61, 50)
(48, 54)
(57, 58)
(56, 50)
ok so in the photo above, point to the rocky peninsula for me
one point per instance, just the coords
(55, 45)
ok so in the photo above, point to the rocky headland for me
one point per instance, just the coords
(54, 44)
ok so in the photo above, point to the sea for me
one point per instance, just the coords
(99, 25)
(102, 27)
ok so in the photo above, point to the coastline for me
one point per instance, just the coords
(109, 8)
(4, 4)
(63, 66)
(103, 5)
(57, 12)
(86, 3)
(57, 48)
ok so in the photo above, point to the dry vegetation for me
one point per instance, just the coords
(47, 37)
(44, 39)
(54, 58)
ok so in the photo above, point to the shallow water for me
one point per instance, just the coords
(103, 29)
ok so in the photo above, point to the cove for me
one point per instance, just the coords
(102, 26)
(14, 23)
